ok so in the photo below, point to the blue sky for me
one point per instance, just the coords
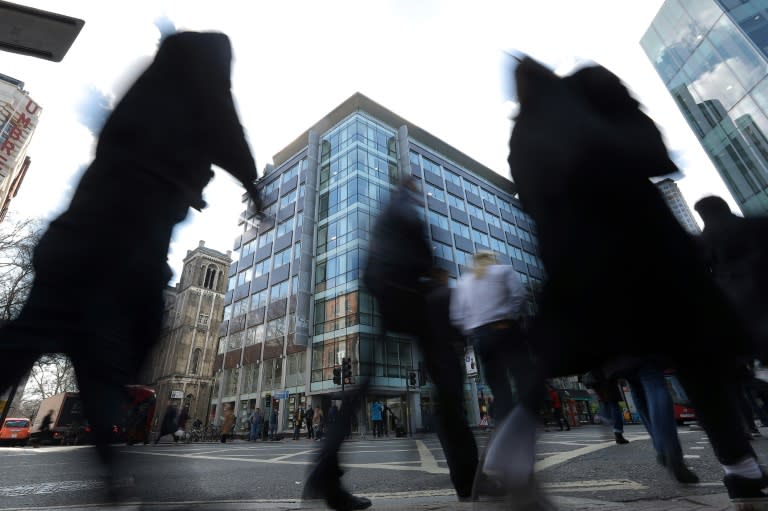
(436, 63)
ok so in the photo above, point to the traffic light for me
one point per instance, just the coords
(412, 379)
(337, 375)
(346, 370)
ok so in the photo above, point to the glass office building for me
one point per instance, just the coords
(295, 305)
(713, 58)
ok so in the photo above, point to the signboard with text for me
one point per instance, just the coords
(470, 363)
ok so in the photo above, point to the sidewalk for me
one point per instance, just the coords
(439, 501)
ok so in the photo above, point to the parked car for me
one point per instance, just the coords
(15, 431)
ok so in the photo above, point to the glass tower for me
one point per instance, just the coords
(295, 305)
(713, 58)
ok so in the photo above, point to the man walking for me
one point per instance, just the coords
(376, 418)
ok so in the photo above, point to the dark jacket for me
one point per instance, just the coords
(616, 257)
(399, 257)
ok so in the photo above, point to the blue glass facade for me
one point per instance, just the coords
(326, 196)
(713, 58)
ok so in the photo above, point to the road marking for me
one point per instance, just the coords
(557, 459)
(696, 447)
(594, 485)
(565, 443)
(428, 462)
(691, 456)
(286, 456)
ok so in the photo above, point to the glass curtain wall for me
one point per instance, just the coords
(358, 170)
(711, 56)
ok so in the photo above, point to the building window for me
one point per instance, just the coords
(430, 166)
(195, 361)
(285, 227)
(498, 246)
(202, 319)
(297, 250)
(240, 307)
(271, 187)
(261, 268)
(480, 238)
(452, 177)
(259, 300)
(243, 277)
(511, 229)
(266, 238)
(222, 345)
(282, 257)
(235, 341)
(460, 229)
(463, 258)
(493, 220)
(248, 248)
(442, 250)
(275, 329)
(210, 276)
(434, 192)
(503, 205)
(438, 219)
(227, 312)
(456, 202)
(292, 172)
(278, 291)
(471, 187)
(475, 212)
(287, 199)
(486, 195)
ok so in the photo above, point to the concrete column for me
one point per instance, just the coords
(403, 152)
(307, 237)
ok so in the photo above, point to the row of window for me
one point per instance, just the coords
(418, 160)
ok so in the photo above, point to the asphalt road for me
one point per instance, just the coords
(581, 463)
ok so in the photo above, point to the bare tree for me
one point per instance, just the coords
(17, 242)
(52, 373)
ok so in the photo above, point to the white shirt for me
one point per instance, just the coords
(499, 295)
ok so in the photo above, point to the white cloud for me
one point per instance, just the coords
(435, 63)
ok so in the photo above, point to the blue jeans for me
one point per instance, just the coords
(612, 411)
(656, 409)
(255, 432)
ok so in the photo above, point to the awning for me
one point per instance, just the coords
(577, 394)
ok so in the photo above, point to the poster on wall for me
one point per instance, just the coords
(470, 363)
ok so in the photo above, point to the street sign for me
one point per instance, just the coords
(280, 394)
(177, 394)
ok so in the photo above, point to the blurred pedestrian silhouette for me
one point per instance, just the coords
(487, 305)
(169, 425)
(736, 250)
(100, 268)
(615, 255)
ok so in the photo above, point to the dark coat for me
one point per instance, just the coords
(624, 278)
(736, 250)
(398, 258)
(170, 423)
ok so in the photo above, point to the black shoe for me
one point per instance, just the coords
(620, 438)
(743, 490)
(682, 473)
(332, 493)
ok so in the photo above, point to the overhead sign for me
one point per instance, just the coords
(177, 394)
(470, 363)
(280, 394)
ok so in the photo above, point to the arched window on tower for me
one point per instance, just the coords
(195, 361)
(210, 277)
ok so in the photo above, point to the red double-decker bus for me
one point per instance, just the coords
(684, 412)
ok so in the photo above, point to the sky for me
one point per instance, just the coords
(437, 63)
